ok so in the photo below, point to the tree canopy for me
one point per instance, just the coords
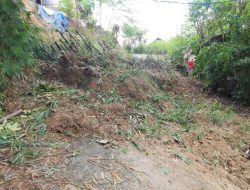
(223, 51)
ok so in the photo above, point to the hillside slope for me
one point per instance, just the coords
(92, 117)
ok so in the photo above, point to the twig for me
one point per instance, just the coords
(98, 158)
(98, 163)
(129, 167)
(11, 115)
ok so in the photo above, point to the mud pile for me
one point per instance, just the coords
(71, 70)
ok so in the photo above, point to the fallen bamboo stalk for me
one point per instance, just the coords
(67, 41)
(71, 35)
(11, 115)
(85, 42)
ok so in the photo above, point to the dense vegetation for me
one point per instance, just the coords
(133, 35)
(218, 33)
(17, 40)
(175, 47)
(223, 54)
(84, 9)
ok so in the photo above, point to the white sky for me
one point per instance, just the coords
(159, 19)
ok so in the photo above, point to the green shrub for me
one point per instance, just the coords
(17, 40)
(225, 67)
(68, 7)
(175, 47)
(139, 49)
(156, 47)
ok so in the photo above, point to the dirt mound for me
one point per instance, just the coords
(70, 70)
(71, 121)
(136, 87)
(116, 108)
(188, 86)
(106, 83)
(163, 81)
(99, 119)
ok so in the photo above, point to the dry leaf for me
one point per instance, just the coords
(103, 142)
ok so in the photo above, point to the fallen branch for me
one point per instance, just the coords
(11, 115)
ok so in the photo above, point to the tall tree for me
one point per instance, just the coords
(132, 34)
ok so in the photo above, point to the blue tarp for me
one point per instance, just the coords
(56, 18)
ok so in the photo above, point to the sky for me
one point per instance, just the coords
(161, 20)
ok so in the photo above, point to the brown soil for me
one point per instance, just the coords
(12, 105)
(137, 88)
(85, 164)
(70, 118)
(71, 70)
(106, 83)
(134, 87)
(128, 158)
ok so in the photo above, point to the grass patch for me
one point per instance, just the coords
(147, 107)
(108, 98)
(21, 156)
(217, 115)
(150, 131)
(139, 120)
(245, 127)
(182, 113)
(158, 97)
(241, 145)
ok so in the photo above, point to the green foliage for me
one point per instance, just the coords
(156, 47)
(217, 114)
(158, 97)
(11, 134)
(241, 145)
(199, 136)
(225, 18)
(86, 8)
(108, 98)
(82, 8)
(17, 40)
(133, 34)
(132, 31)
(68, 7)
(20, 157)
(222, 65)
(175, 47)
(23, 138)
(182, 112)
(245, 127)
(150, 131)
